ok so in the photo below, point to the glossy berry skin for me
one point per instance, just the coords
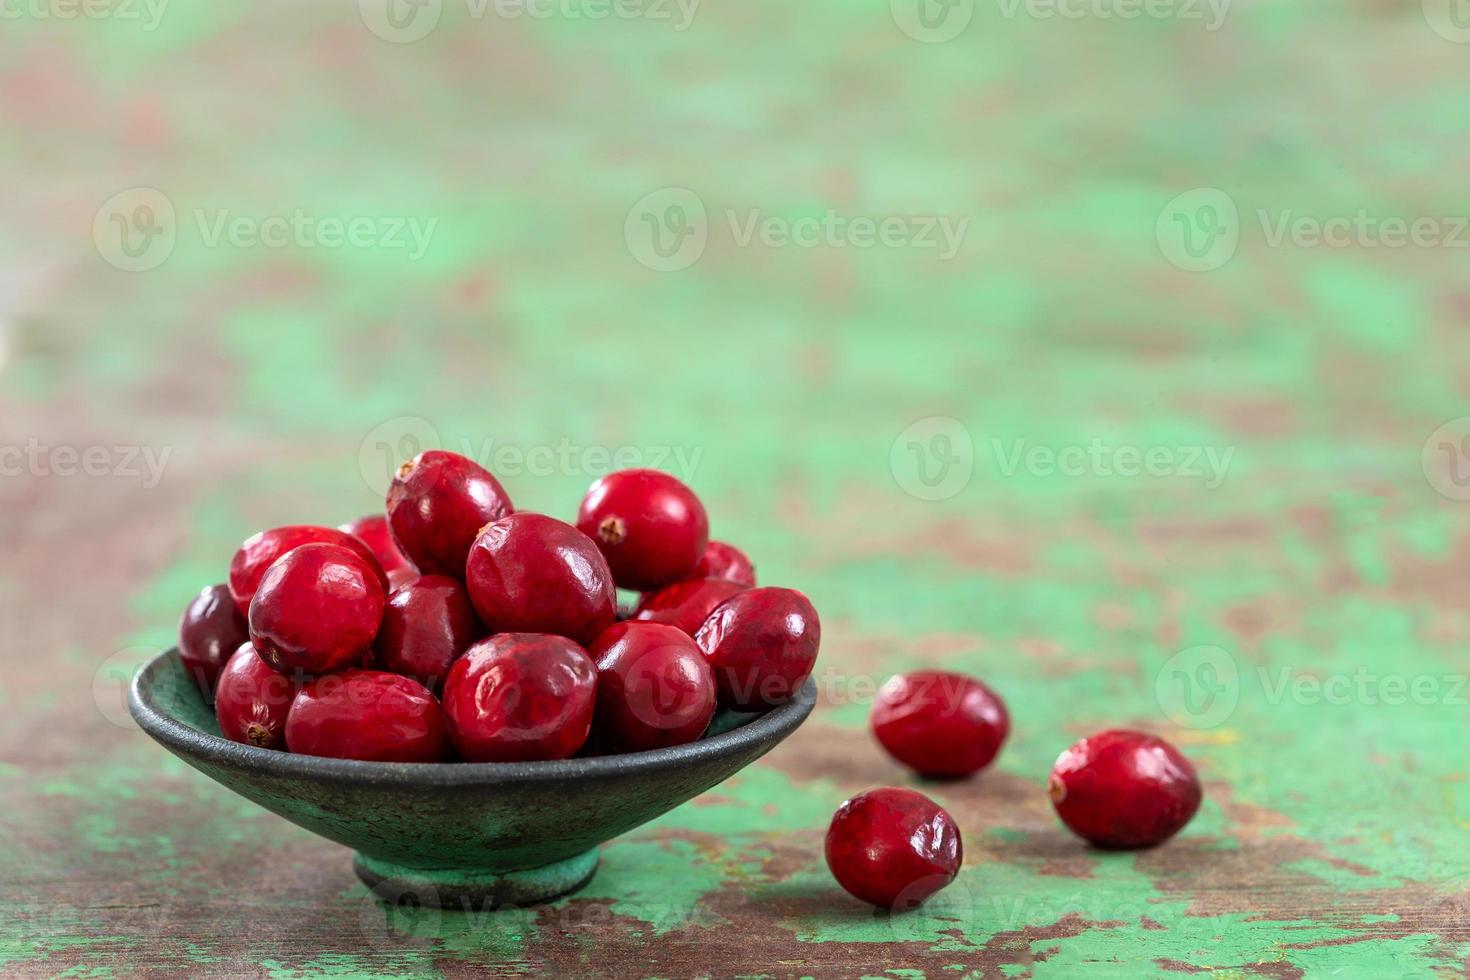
(519, 697)
(436, 506)
(426, 625)
(210, 631)
(893, 848)
(529, 573)
(654, 688)
(318, 609)
(373, 531)
(762, 644)
(726, 561)
(368, 715)
(651, 527)
(939, 724)
(252, 701)
(1124, 790)
(687, 604)
(261, 550)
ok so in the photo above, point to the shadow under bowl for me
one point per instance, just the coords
(459, 835)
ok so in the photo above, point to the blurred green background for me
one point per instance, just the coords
(1116, 352)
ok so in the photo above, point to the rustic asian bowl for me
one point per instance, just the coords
(459, 835)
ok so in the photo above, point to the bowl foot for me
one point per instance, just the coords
(473, 889)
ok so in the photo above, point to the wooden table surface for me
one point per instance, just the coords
(1009, 341)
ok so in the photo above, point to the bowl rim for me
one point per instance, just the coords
(189, 743)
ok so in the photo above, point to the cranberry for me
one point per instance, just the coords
(686, 604)
(940, 725)
(426, 624)
(317, 609)
(261, 550)
(518, 697)
(253, 701)
(762, 644)
(372, 531)
(654, 688)
(437, 504)
(529, 573)
(210, 631)
(893, 848)
(369, 715)
(651, 527)
(1124, 790)
(726, 561)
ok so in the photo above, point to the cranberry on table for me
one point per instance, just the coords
(261, 550)
(253, 701)
(437, 504)
(1124, 790)
(939, 724)
(654, 688)
(369, 715)
(893, 848)
(651, 527)
(518, 697)
(426, 625)
(726, 561)
(210, 631)
(762, 644)
(373, 531)
(318, 609)
(687, 604)
(529, 573)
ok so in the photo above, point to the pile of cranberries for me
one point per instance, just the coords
(454, 627)
(895, 847)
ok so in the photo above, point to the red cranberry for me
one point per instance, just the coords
(261, 550)
(1124, 790)
(726, 561)
(518, 697)
(369, 715)
(654, 688)
(317, 609)
(426, 624)
(686, 604)
(437, 504)
(529, 573)
(372, 531)
(210, 631)
(940, 725)
(253, 701)
(893, 848)
(651, 527)
(762, 644)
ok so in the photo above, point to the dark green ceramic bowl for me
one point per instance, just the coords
(459, 834)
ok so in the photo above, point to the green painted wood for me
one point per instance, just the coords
(1226, 505)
